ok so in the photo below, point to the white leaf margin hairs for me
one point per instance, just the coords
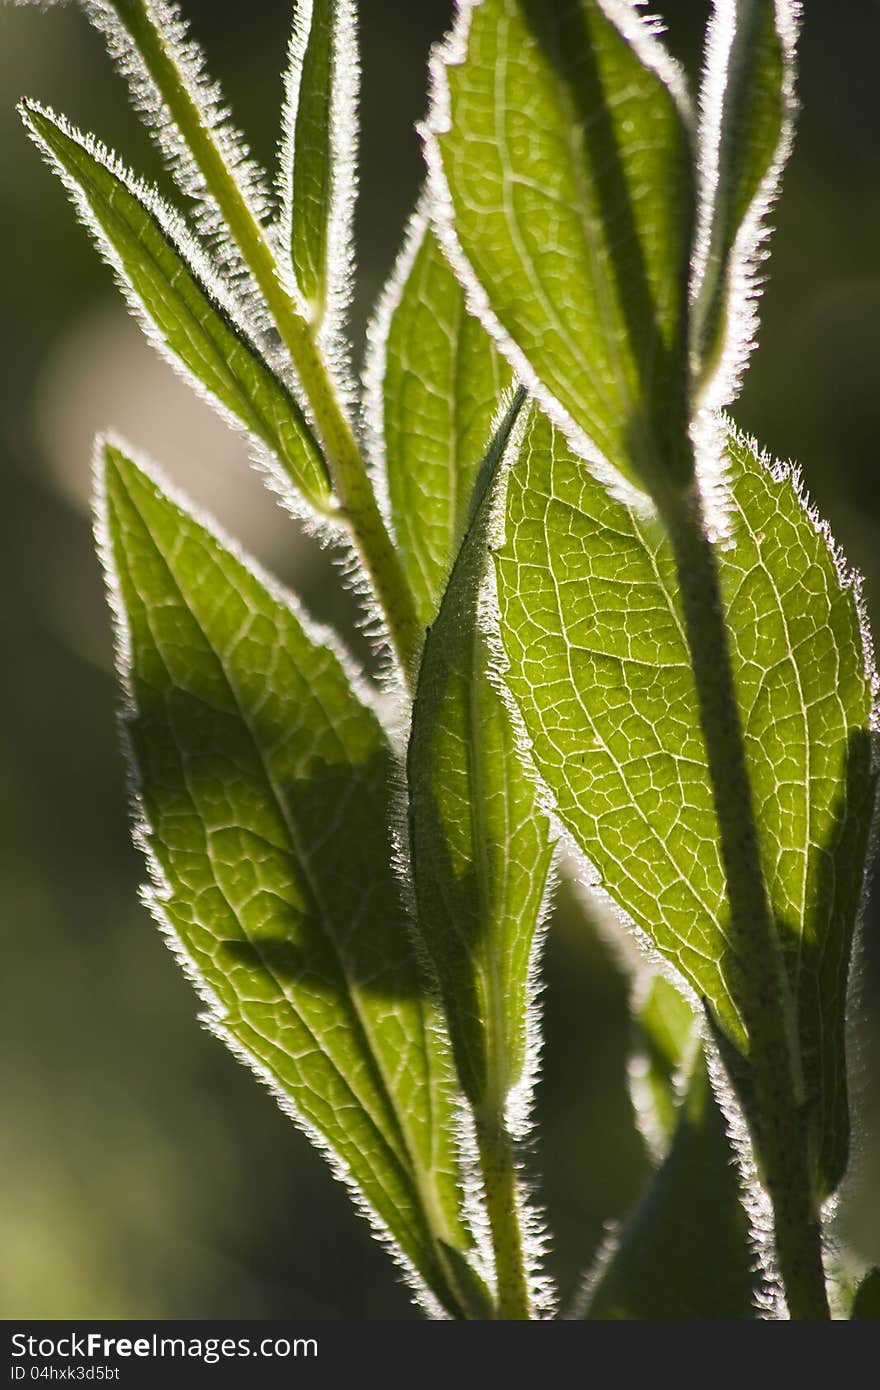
(212, 283)
(157, 891)
(189, 60)
(642, 32)
(376, 355)
(325, 527)
(343, 154)
(520, 1101)
(749, 250)
(646, 956)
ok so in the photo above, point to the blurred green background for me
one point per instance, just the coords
(142, 1172)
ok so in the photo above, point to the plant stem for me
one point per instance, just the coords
(347, 470)
(498, 1167)
(762, 992)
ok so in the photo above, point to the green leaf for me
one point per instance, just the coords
(599, 668)
(480, 846)
(434, 381)
(187, 312)
(685, 1252)
(187, 115)
(667, 1031)
(264, 784)
(866, 1306)
(562, 181)
(684, 1255)
(319, 155)
(745, 136)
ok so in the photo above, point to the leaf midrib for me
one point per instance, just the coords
(409, 1168)
(500, 107)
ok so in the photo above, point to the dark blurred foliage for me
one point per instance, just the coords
(143, 1171)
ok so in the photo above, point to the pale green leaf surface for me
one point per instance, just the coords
(866, 1305)
(666, 1031)
(435, 381)
(598, 665)
(480, 847)
(319, 158)
(744, 139)
(265, 783)
(562, 179)
(684, 1255)
(162, 274)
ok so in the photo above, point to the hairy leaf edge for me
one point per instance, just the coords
(157, 889)
(643, 34)
(749, 251)
(376, 355)
(520, 1107)
(331, 337)
(588, 879)
(212, 285)
(253, 183)
(520, 1104)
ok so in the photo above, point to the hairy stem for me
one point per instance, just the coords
(500, 1187)
(762, 992)
(347, 470)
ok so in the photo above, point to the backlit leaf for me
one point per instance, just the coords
(151, 45)
(318, 167)
(745, 136)
(434, 381)
(185, 308)
(264, 780)
(480, 848)
(562, 184)
(599, 668)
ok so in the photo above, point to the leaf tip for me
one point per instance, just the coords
(115, 468)
(110, 458)
(35, 117)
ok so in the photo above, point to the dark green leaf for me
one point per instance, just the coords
(866, 1306)
(684, 1255)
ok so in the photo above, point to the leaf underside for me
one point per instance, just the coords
(264, 783)
(599, 669)
(434, 381)
(562, 173)
(168, 283)
(481, 849)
